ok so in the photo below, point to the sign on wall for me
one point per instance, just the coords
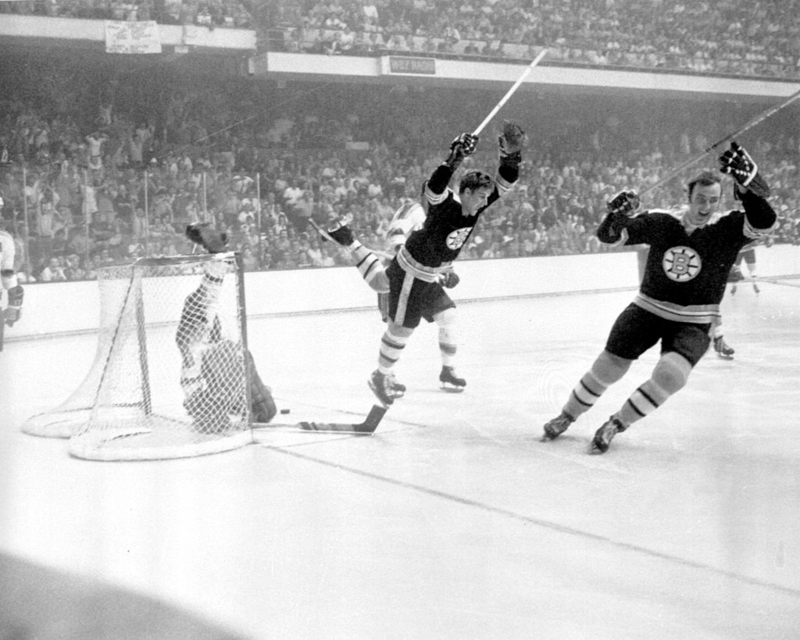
(132, 37)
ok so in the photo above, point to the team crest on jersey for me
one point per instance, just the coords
(456, 239)
(681, 264)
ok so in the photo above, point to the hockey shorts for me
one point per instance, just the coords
(411, 299)
(637, 330)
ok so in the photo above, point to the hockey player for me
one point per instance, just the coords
(748, 256)
(408, 218)
(8, 276)
(212, 372)
(413, 279)
(679, 297)
(748, 253)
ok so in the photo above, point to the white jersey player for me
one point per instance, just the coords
(409, 218)
(8, 275)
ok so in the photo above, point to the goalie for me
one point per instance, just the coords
(415, 276)
(213, 367)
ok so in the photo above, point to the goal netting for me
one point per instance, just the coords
(169, 378)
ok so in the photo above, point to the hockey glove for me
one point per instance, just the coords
(735, 274)
(511, 143)
(738, 163)
(463, 146)
(624, 203)
(450, 279)
(14, 310)
(207, 237)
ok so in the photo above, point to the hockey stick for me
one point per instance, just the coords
(509, 93)
(367, 427)
(693, 161)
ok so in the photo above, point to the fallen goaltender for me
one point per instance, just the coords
(367, 427)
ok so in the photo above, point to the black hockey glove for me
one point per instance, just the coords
(463, 146)
(207, 237)
(450, 279)
(738, 163)
(13, 311)
(624, 203)
(511, 143)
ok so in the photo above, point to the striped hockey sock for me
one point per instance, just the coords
(368, 264)
(584, 395)
(392, 344)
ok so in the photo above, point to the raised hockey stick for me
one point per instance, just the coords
(367, 427)
(750, 124)
(509, 93)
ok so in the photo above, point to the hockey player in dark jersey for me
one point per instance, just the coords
(413, 279)
(679, 297)
(212, 373)
(409, 218)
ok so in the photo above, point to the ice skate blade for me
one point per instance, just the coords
(452, 389)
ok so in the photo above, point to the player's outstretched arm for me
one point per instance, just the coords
(751, 188)
(464, 145)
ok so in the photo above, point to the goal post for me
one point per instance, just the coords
(169, 379)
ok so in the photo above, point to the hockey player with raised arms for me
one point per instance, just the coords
(408, 218)
(413, 279)
(679, 297)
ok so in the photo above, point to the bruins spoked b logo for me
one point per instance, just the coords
(681, 264)
(457, 238)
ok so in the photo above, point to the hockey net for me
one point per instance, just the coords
(169, 378)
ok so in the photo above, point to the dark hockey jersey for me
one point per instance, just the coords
(685, 274)
(447, 229)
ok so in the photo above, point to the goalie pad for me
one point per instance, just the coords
(262, 404)
(743, 169)
(13, 312)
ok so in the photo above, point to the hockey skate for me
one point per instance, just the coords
(208, 237)
(605, 434)
(385, 388)
(450, 381)
(557, 426)
(723, 350)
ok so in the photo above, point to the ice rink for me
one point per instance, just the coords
(453, 520)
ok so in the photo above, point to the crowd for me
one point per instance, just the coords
(724, 37)
(229, 14)
(100, 167)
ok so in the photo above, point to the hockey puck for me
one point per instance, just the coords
(284, 411)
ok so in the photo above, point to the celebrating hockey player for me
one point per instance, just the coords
(8, 276)
(212, 376)
(408, 218)
(413, 279)
(678, 300)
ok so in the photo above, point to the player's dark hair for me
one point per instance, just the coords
(475, 180)
(704, 179)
